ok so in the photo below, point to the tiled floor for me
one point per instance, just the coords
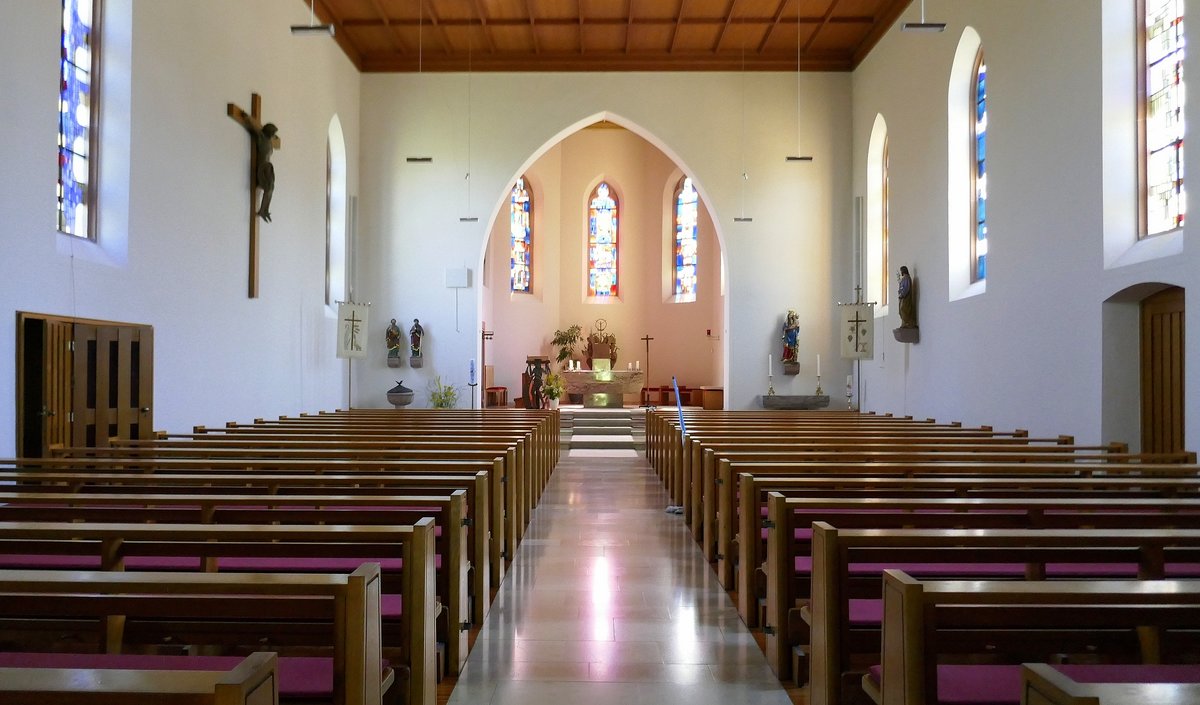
(610, 601)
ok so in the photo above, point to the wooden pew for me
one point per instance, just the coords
(483, 556)
(503, 514)
(980, 481)
(408, 641)
(254, 681)
(1043, 684)
(923, 619)
(847, 567)
(130, 610)
(449, 513)
(786, 586)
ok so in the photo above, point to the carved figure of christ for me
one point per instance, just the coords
(263, 141)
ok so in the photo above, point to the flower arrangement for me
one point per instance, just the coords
(553, 386)
(442, 396)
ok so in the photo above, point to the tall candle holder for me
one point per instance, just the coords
(849, 396)
(820, 392)
(770, 386)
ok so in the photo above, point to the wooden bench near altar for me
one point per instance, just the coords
(604, 388)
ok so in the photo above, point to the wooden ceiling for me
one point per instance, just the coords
(607, 35)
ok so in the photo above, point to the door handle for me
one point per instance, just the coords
(145, 409)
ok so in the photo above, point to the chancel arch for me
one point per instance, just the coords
(641, 179)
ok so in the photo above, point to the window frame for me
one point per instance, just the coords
(884, 224)
(616, 244)
(93, 130)
(1143, 146)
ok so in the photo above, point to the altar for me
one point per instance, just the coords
(604, 388)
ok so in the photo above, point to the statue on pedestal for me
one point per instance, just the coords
(414, 344)
(791, 343)
(392, 338)
(908, 332)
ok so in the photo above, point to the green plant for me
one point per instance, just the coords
(566, 340)
(442, 396)
(553, 385)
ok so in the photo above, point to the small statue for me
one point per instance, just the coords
(264, 145)
(392, 338)
(791, 343)
(908, 332)
(414, 338)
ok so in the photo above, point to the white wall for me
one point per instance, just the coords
(644, 179)
(1028, 352)
(781, 260)
(173, 232)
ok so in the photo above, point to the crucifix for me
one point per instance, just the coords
(262, 174)
(647, 339)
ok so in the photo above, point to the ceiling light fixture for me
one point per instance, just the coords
(467, 178)
(312, 28)
(923, 26)
(799, 156)
(743, 218)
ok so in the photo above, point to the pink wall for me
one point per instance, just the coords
(644, 181)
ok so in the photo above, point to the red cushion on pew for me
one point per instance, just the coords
(299, 676)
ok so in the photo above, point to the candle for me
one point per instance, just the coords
(768, 364)
(818, 365)
(631, 367)
(849, 380)
(637, 365)
(471, 372)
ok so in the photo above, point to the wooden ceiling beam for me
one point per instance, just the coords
(678, 21)
(775, 24)
(880, 27)
(433, 20)
(387, 23)
(628, 24)
(605, 61)
(725, 26)
(348, 45)
(618, 21)
(579, 11)
(483, 22)
(537, 49)
(817, 31)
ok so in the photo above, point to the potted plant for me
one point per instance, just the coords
(553, 388)
(601, 343)
(442, 396)
(566, 340)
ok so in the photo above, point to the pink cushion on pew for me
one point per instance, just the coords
(939, 569)
(1001, 685)
(1183, 570)
(302, 564)
(866, 612)
(162, 563)
(34, 562)
(1107, 570)
(803, 565)
(299, 676)
(391, 606)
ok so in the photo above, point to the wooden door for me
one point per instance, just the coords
(81, 382)
(1162, 371)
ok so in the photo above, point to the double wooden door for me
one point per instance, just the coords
(81, 382)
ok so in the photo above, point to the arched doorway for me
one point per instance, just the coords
(645, 181)
(1162, 329)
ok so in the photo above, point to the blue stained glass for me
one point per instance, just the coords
(602, 243)
(520, 239)
(75, 123)
(981, 267)
(979, 244)
(686, 243)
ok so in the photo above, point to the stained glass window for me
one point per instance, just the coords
(883, 248)
(602, 243)
(520, 238)
(686, 212)
(979, 244)
(1166, 199)
(75, 124)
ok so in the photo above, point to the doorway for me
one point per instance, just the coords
(1162, 373)
(81, 382)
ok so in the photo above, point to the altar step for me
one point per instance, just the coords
(616, 431)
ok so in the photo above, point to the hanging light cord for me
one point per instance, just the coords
(745, 176)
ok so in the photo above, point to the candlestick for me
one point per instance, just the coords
(770, 386)
(818, 366)
(768, 364)
(849, 392)
(819, 391)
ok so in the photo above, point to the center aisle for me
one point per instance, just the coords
(609, 600)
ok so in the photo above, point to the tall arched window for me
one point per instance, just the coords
(687, 204)
(520, 230)
(979, 171)
(876, 240)
(77, 112)
(1165, 200)
(337, 202)
(602, 242)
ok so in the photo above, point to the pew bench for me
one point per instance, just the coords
(1124, 622)
(253, 680)
(1043, 684)
(118, 614)
(845, 613)
(789, 537)
(405, 554)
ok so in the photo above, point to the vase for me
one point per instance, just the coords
(400, 395)
(552, 403)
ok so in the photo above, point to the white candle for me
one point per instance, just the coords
(818, 365)
(631, 366)
(849, 380)
(768, 364)
(637, 365)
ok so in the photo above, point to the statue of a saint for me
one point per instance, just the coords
(414, 338)
(791, 337)
(908, 304)
(392, 337)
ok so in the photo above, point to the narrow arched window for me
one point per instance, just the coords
(876, 280)
(979, 244)
(602, 242)
(77, 113)
(1164, 201)
(687, 204)
(520, 230)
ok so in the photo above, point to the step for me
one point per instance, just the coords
(591, 430)
(610, 442)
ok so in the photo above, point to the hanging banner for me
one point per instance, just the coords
(352, 330)
(856, 327)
